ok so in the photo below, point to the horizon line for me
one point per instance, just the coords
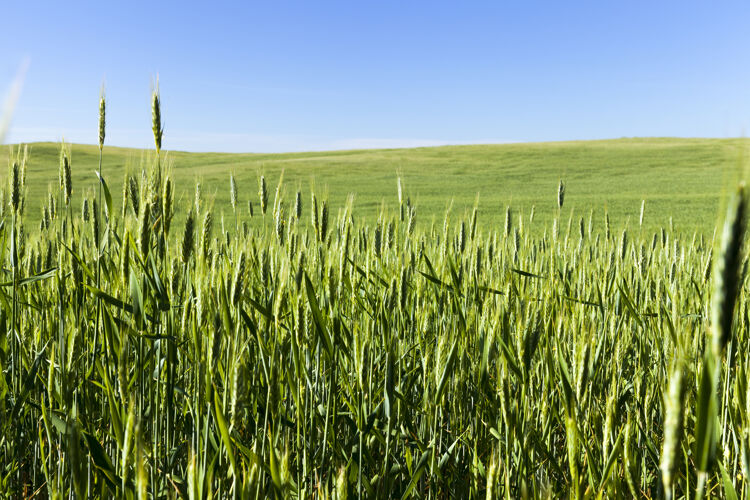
(429, 144)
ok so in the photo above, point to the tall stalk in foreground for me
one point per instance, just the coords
(15, 194)
(726, 287)
(102, 126)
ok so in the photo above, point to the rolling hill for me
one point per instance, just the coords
(679, 178)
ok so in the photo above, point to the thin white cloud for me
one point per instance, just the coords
(261, 143)
(392, 143)
(229, 142)
(115, 137)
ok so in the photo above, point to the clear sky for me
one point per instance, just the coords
(287, 76)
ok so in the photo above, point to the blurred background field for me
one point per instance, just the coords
(679, 178)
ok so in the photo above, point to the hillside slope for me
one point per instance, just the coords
(681, 178)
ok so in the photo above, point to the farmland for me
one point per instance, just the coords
(158, 341)
(679, 178)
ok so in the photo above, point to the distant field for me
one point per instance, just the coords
(681, 178)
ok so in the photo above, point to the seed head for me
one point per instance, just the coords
(560, 194)
(581, 229)
(153, 193)
(167, 204)
(85, 210)
(197, 198)
(66, 177)
(263, 195)
(144, 233)
(378, 240)
(206, 233)
(233, 191)
(412, 220)
(236, 400)
(473, 226)
(277, 196)
(238, 279)
(298, 206)
(675, 405)
(15, 186)
(135, 195)
(707, 268)
(102, 120)
(300, 270)
(280, 223)
(314, 214)
(607, 228)
(125, 261)
(323, 222)
(727, 269)
(156, 119)
(50, 202)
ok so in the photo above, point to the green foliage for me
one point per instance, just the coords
(333, 355)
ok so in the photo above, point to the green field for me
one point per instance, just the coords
(345, 351)
(681, 178)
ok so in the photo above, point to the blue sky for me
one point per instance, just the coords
(291, 76)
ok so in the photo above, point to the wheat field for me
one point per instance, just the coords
(153, 347)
